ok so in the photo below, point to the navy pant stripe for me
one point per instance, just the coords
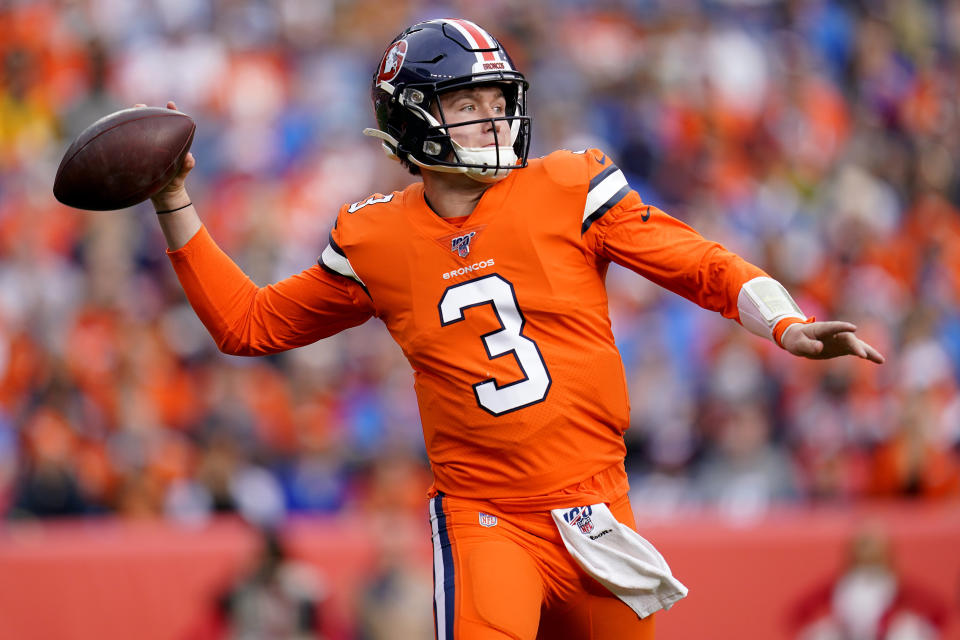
(443, 572)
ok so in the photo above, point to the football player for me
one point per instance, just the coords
(489, 274)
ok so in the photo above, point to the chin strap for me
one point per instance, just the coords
(390, 146)
(490, 158)
(486, 156)
(389, 143)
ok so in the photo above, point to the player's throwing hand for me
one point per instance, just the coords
(175, 186)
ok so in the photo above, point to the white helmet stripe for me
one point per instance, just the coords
(477, 38)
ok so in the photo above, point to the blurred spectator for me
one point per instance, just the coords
(746, 473)
(278, 598)
(394, 601)
(97, 100)
(869, 600)
(48, 484)
(914, 462)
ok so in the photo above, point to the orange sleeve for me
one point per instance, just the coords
(673, 255)
(245, 319)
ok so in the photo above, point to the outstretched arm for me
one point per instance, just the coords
(822, 340)
(675, 256)
(621, 229)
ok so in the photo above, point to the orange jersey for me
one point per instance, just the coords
(504, 319)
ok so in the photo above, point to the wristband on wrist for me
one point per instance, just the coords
(172, 210)
(785, 324)
(764, 304)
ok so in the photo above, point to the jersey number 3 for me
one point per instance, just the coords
(494, 290)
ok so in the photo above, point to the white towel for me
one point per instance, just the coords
(618, 558)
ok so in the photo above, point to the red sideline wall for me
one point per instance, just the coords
(106, 579)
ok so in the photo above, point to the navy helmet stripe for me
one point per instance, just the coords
(606, 206)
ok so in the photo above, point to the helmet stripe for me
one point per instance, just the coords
(476, 38)
(482, 38)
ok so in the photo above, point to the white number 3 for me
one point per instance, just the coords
(496, 398)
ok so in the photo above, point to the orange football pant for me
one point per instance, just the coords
(500, 576)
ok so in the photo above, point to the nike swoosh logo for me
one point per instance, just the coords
(646, 214)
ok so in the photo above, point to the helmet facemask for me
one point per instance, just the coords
(484, 164)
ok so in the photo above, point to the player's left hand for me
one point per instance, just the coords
(174, 194)
(822, 340)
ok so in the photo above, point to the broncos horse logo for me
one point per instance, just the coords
(392, 61)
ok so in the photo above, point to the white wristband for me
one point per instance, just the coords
(762, 303)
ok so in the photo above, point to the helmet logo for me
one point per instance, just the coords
(392, 61)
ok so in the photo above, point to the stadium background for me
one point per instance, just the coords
(817, 138)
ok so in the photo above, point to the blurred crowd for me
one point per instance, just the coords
(817, 138)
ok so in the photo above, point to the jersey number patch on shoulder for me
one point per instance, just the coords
(493, 397)
(356, 206)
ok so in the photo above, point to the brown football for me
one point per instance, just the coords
(123, 158)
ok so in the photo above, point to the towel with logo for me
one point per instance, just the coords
(619, 558)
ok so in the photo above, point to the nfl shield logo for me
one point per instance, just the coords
(487, 520)
(580, 517)
(461, 244)
(585, 524)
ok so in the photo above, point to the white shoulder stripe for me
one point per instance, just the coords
(338, 263)
(600, 194)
